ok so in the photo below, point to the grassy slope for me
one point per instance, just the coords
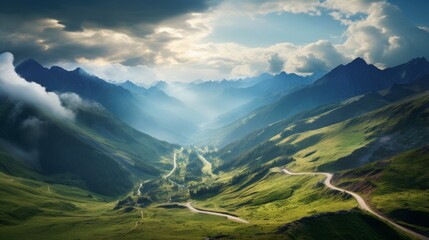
(323, 116)
(268, 199)
(276, 199)
(34, 209)
(397, 187)
(64, 212)
(310, 120)
(127, 142)
(389, 130)
(96, 150)
(342, 225)
(30, 208)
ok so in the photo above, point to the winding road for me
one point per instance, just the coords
(138, 190)
(141, 185)
(230, 217)
(188, 204)
(174, 162)
(359, 199)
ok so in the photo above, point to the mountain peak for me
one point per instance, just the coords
(160, 84)
(282, 73)
(128, 83)
(357, 62)
(57, 69)
(81, 71)
(29, 63)
(265, 75)
(414, 64)
(421, 60)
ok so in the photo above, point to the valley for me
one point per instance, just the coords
(353, 165)
(214, 120)
(102, 213)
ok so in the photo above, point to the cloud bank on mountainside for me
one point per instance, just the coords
(18, 89)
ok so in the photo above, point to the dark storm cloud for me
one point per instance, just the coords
(88, 28)
(104, 14)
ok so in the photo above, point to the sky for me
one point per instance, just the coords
(185, 40)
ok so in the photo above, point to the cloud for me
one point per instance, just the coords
(350, 7)
(385, 37)
(32, 130)
(29, 157)
(310, 64)
(132, 15)
(46, 40)
(145, 41)
(126, 33)
(30, 93)
(251, 7)
(31, 122)
(74, 102)
(316, 57)
(276, 63)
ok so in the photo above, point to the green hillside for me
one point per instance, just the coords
(323, 116)
(351, 143)
(396, 186)
(95, 151)
(250, 186)
(63, 212)
(340, 225)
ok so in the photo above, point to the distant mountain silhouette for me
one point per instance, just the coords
(341, 83)
(144, 111)
(214, 98)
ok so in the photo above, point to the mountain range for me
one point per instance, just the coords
(97, 151)
(284, 156)
(150, 111)
(344, 81)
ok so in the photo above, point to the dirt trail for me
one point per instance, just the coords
(138, 222)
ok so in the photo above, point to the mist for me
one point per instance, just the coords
(18, 89)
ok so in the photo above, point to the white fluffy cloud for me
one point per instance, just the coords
(349, 7)
(318, 56)
(385, 37)
(251, 7)
(74, 102)
(15, 87)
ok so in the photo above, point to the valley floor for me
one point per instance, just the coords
(37, 210)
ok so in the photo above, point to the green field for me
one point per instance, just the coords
(35, 210)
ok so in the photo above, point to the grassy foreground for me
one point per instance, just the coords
(32, 209)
